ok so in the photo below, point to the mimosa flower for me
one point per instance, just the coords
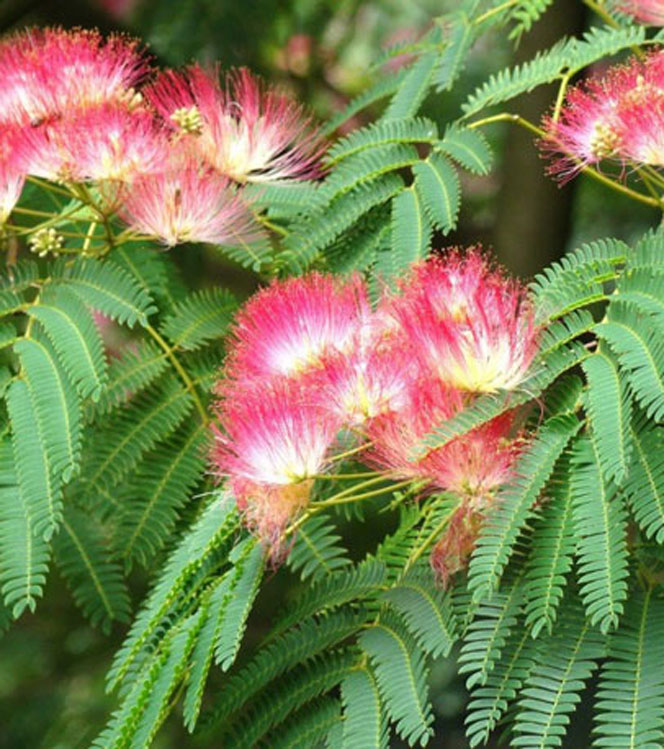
(46, 73)
(271, 442)
(473, 465)
(246, 130)
(187, 203)
(288, 327)
(470, 326)
(617, 116)
(650, 12)
(452, 551)
(12, 179)
(112, 141)
(375, 377)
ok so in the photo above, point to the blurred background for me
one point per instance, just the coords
(52, 664)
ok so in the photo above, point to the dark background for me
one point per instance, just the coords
(52, 663)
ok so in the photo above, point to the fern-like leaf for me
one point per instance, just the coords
(75, 337)
(399, 668)
(363, 723)
(437, 184)
(551, 692)
(411, 231)
(515, 503)
(609, 409)
(316, 551)
(95, 579)
(644, 488)
(630, 698)
(468, 148)
(600, 525)
(200, 318)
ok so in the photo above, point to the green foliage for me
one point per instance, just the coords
(399, 668)
(363, 724)
(630, 697)
(199, 318)
(515, 505)
(95, 578)
(316, 552)
(600, 527)
(437, 185)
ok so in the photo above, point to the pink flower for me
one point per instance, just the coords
(187, 203)
(472, 465)
(617, 116)
(46, 73)
(290, 326)
(373, 377)
(271, 442)
(452, 551)
(469, 326)
(12, 178)
(248, 132)
(111, 141)
(650, 12)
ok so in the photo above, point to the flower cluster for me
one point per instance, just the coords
(617, 116)
(311, 365)
(650, 12)
(168, 152)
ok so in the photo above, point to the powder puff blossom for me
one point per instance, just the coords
(472, 465)
(272, 441)
(187, 203)
(470, 326)
(650, 12)
(12, 179)
(45, 73)
(288, 327)
(374, 377)
(111, 141)
(453, 549)
(617, 116)
(247, 131)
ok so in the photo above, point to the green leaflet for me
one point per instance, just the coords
(437, 184)
(609, 409)
(363, 723)
(399, 668)
(600, 527)
(74, 335)
(200, 318)
(515, 505)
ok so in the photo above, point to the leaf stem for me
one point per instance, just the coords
(188, 382)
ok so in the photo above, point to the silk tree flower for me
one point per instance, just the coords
(246, 130)
(187, 203)
(113, 141)
(289, 327)
(270, 444)
(452, 551)
(374, 377)
(616, 116)
(470, 326)
(473, 465)
(12, 178)
(46, 73)
(650, 12)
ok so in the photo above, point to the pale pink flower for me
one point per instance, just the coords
(452, 551)
(187, 203)
(288, 327)
(271, 442)
(373, 377)
(111, 141)
(47, 73)
(247, 131)
(470, 326)
(649, 12)
(12, 178)
(617, 116)
(473, 465)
